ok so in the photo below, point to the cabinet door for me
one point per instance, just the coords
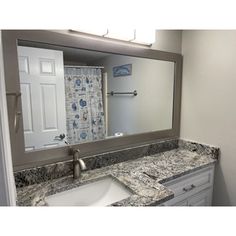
(191, 184)
(176, 202)
(201, 199)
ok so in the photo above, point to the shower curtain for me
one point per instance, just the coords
(84, 104)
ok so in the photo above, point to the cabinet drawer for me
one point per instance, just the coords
(199, 199)
(190, 184)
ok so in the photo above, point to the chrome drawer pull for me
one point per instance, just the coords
(190, 188)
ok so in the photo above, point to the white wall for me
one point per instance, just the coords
(3, 190)
(168, 40)
(209, 101)
(151, 109)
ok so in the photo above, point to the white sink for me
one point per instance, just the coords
(102, 192)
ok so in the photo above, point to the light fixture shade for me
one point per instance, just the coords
(140, 36)
(121, 34)
(145, 36)
(99, 31)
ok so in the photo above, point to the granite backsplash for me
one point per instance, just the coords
(60, 169)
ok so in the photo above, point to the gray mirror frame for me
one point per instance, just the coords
(22, 159)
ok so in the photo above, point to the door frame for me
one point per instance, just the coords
(7, 185)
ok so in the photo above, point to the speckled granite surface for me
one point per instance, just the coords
(144, 176)
(60, 169)
(201, 149)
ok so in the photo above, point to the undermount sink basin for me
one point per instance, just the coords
(102, 192)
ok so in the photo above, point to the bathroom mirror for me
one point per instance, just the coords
(72, 96)
(92, 94)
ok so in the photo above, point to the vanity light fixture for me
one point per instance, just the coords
(120, 34)
(92, 31)
(144, 36)
(138, 36)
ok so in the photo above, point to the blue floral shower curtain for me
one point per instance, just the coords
(84, 104)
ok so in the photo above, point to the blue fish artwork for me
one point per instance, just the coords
(123, 70)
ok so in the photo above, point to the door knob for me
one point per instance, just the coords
(60, 137)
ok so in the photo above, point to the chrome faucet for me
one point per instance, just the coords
(78, 164)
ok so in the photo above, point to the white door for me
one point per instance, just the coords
(43, 96)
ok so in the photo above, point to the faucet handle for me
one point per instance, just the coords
(72, 151)
(75, 153)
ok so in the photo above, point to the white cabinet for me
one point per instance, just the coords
(201, 199)
(183, 203)
(193, 189)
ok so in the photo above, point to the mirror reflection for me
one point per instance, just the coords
(73, 96)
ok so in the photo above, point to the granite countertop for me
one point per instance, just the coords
(144, 177)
